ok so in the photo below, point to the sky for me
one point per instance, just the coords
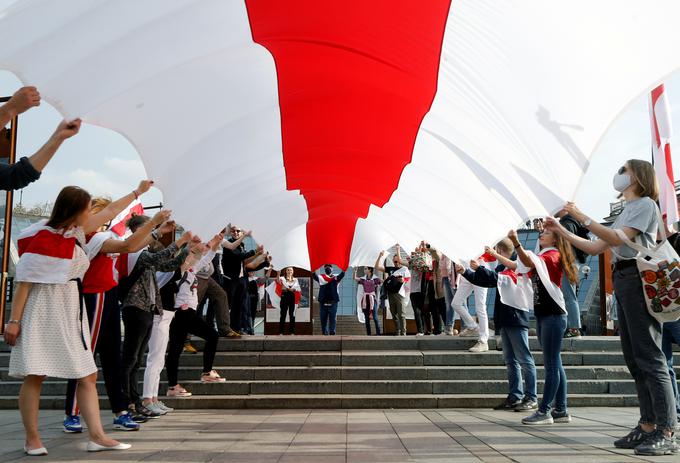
(105, 163)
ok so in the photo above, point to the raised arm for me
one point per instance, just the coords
(232, 245)
(592, 248)
(508, 263)
(116, 207)
(397, 251)
(521, 253)
(379, 262)
(139, 239)
(64, 131)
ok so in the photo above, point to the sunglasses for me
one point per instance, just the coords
(622, 170)
(235, 230)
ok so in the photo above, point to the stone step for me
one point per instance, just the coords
(472, 373)
(351, 387)
(422, 343)
(384, 358)
(344, 401)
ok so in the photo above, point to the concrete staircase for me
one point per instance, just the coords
(371, 372)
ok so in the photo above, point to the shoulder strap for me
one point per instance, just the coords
(638, 247)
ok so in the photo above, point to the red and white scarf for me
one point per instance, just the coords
(275, 289)
(46, 254)
(516, 288)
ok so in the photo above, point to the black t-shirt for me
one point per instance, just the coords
(544, 304)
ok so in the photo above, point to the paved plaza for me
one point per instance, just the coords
(329, 436)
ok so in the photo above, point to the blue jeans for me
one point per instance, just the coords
(246, 320)
(570, 300)
(328, 318)
(550, 330)
(671, 334)
(448, 298)
(374, 314)
(519, 362)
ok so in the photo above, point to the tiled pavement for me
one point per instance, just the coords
(328, 436)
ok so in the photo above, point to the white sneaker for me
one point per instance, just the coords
(162, 406)
(420, 334)
(469, 333)
(153, 406)
(212, 377)
(479, 347)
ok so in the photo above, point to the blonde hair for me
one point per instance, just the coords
(644, 177)
(100, 203)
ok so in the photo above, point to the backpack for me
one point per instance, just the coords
(578, 230)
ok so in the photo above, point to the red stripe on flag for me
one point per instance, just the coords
(355, 80)
(47, 243)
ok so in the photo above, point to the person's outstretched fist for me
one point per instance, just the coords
(24, 99)
(67, 129)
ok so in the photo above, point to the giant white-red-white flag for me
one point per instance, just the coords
(337, 128)
(660, 118)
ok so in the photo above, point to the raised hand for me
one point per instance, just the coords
(144, 186)
(67, 129)
(575, 212)
(474, 265)
(167, 227)
(24, 99)
(161, 217)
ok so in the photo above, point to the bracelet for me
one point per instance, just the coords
(518, 245)
(14, 322)
(134, 192)
(154, 235)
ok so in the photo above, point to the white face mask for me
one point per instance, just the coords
(621, 182)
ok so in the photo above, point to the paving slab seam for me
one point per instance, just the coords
(547, 435)
(469, 449)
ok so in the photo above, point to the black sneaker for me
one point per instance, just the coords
(561, 416)
(634, 438)
(142, 410)
(657, 444)
(526, 405)
(137, 418)
(508, 404)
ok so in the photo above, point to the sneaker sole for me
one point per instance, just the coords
(656, 454)
(562, 420)
(535, 423)
(120, 427)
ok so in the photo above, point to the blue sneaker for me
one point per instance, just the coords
(125, 422)
(72, 424)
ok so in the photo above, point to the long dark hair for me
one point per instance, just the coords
(71, 202)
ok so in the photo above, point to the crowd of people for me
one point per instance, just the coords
(76, 281)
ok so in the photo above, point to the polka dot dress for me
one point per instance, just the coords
(50, 341)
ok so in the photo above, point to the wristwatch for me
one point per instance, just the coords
(587, 222)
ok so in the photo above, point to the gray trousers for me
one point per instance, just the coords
(641, 337)
(397, 306)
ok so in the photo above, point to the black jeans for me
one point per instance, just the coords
(103, 313)
(641, 337)
(287, 305)
(254, 300)
(138, 324)
(189, 322)
(417, 301)
(236, 294)
(218, 307)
